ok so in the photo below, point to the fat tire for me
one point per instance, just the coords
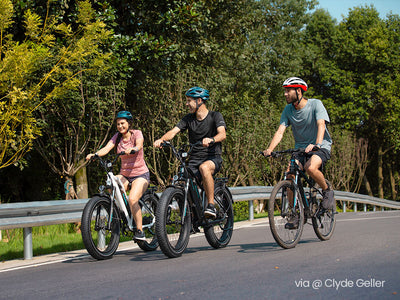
(224, 206)
(286, 238)
(172, 236)
(90, 230)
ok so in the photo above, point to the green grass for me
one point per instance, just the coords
(45, 240)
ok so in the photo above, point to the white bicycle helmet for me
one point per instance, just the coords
(295, 82)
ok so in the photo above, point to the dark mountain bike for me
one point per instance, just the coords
(291, 202)
(108, 212)
(180, 210)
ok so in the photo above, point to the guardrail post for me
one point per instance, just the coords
(28, 250)
(365, 207)
(355, 206)
(374, 209)
(344, 206)
(251, 210)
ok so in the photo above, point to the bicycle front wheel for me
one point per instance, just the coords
(148, 205)
(219, 233)
(172, 222)
(324, 220)
(100, 237)
(286, 216)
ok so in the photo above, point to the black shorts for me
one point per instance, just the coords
(324, 154)
(194, 165)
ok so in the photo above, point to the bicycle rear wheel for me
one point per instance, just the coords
(100, 238)
(219, 234)
(148, 206)
(324, 221)
(286, 221)
(172, 222)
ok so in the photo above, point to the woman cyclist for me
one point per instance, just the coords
(134, 170)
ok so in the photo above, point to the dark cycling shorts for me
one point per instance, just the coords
(144, 175)
(195, 164)
(324, 154)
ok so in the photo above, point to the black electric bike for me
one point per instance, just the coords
(180, 210)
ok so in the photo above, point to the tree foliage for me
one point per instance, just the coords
(66, 68)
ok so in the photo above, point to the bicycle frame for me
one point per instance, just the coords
(299, 175)
(118, 195)
(194, 194)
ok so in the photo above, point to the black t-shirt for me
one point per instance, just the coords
(198, 130)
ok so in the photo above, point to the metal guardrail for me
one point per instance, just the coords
(42, 213)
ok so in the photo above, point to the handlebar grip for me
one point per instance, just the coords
(165, 144)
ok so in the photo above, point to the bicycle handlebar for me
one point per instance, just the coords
(288, 151)
(106, 164)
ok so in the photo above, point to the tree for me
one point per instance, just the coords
(355, 66)
(38, 70)
(80, 118)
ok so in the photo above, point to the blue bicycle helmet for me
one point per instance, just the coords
(124, 115)
(198, 92)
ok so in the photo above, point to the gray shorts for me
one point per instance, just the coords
(144, 175)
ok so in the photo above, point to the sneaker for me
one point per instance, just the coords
(328, 200)
(210, 211)
(139, 236)
(293, 222)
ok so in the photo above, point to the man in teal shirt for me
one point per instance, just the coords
(308, 118)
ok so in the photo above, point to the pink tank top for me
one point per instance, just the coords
(131, 164)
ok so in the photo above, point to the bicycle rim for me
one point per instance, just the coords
(100, 239)
(172, 227)
(219, 234)
(281, 214)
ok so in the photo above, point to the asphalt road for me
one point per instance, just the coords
(361, 261)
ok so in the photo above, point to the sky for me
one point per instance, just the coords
(339, 8)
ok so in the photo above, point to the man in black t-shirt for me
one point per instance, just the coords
(208, 127)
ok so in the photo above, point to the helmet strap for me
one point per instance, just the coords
(295, 104)
(198, 105)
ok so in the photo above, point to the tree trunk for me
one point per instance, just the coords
(81, 183)
(380, 172)
(392, 182)
(367, 186)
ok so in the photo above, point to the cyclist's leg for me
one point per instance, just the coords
(138, 188)
(207, 170)
(313, 168)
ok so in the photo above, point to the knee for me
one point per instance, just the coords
(204, 170)
(311, 169)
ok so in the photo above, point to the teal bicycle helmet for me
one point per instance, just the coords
(198, 92)
(124, 115)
